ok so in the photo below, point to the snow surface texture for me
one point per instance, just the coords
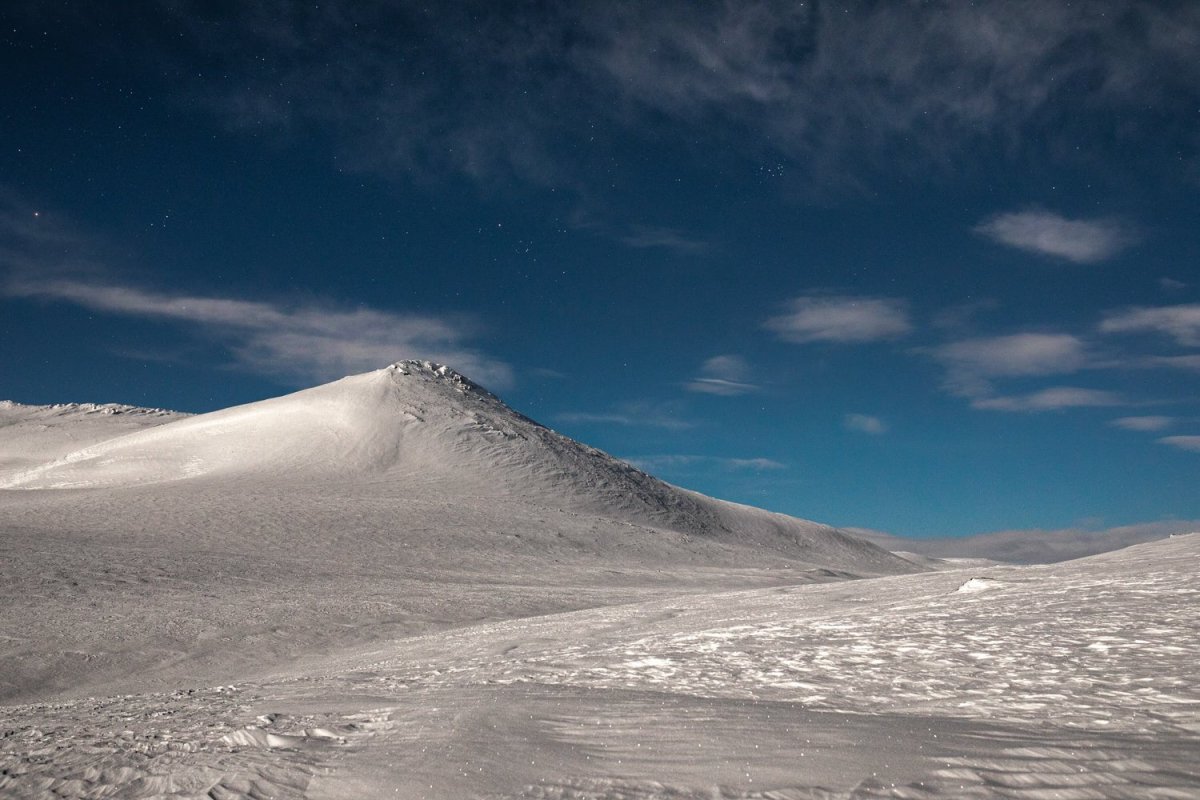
(31, 435)
(393, 585)
(1071, 681)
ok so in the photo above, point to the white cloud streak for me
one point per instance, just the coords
(1015, 354)
(1191, 443)
(719, 386)
(972, 364)
(961, 316)
(865, 423)
(723, 375)
(677, 461)
(824, 84)
(1052, 399)
(975, 366)
(1145, 424)
(645, 237)
(1049, 234)
(303, 341)
(1191, 363)
(841, 319)
(1180, 322)
(635, 414)
(820, 79)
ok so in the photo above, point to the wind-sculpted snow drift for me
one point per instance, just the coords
(374, 506)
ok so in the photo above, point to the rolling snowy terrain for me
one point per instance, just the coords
(407, 499)
(393, 585)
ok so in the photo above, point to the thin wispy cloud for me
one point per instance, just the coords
(727, 376)
(826, 81)
(1015, 354)
(1049, 234)
(841, 319)
(1145, 424)
(611, 418)
(296, 341)
(46, 258)
(1191, 443)
(963, 315)
(977, 368)
(1191, 363)
(865, 423)
(637, 235)
(644, 237)
(635, 414)
(831, 87)
(677, 461)
(1180, 322)
(1053, 399)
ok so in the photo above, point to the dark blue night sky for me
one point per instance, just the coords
(925, 267)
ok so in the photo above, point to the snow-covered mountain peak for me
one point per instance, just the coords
(433, 371)
(412, 417)
(417, 429)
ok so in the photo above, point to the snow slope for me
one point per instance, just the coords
(33, 435)
(1075, 681)
(405, 499)
(423, 428)
(393, 585)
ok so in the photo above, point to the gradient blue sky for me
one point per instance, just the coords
(931, 268)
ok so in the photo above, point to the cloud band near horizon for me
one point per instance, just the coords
(292, 341)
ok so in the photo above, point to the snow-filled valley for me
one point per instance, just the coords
(393, 585)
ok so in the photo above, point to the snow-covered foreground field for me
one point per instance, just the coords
(1078, 680)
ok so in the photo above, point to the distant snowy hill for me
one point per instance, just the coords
(31, 435)
(1024, 546)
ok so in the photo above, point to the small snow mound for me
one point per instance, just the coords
(104, 409)
(979, 585)
(111, 409)
(254, 736)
